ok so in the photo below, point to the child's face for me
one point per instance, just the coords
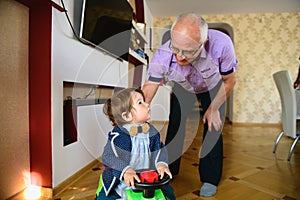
(140, 110)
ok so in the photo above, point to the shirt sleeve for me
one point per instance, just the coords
(223, 51)
(228, 61)
(159, 64)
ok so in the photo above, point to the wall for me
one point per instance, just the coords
(160, 105)
(264, 43)
(14, 117)
(75, 62)
(149, 26)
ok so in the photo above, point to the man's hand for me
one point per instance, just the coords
(212, 114)
(149, 88)
(162, 169)
(212, 117)
(129, 177)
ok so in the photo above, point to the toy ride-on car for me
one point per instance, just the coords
(149, 187)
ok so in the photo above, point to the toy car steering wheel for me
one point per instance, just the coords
(149, 187)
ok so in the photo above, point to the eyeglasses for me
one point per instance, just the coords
(185, 53)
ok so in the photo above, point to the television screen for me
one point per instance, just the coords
(107, 24)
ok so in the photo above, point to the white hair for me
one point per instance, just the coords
(203, 27)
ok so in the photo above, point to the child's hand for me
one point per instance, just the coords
(162, 169)
(129, 177)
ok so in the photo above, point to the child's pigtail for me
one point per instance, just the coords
(107, 111)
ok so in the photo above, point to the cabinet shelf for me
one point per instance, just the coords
(140, 33)
(136, 59)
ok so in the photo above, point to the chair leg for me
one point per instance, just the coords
(292, 147)
(277, 141)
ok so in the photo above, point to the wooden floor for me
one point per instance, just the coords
(251, 170)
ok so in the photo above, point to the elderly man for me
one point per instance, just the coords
(202, 64)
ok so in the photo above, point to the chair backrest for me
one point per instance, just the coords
(286, 91)
(297, 92)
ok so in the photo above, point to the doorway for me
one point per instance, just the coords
(228, 30)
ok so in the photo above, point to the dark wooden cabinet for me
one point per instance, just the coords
(137, 56)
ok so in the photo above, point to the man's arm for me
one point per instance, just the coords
(150, 88)
(212, 115)
(228, 85)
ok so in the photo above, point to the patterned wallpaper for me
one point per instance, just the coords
(264, 44)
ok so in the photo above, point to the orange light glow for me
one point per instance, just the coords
(32, 192)
(33, 185)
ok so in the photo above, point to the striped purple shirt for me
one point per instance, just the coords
(216, 59)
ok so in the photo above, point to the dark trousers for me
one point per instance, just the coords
(211, 156)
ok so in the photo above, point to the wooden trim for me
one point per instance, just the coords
(58, 7)
(140, 16)
(69, 181)
(40, 115)
(235, 124)
(159, 122)
(242, 124)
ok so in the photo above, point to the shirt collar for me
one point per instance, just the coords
(128, 126)
(203, 54)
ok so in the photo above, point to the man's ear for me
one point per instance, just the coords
(127, 116)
